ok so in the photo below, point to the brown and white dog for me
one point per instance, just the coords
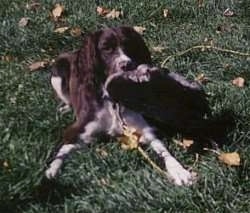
(78, 78)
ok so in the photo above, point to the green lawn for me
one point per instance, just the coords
(122, 181)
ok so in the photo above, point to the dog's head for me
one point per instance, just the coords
(113, 50)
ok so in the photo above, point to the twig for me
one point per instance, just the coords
(156, 167)
(212, 150)
(204, 47)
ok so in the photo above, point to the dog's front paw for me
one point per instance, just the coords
(50, 174)
(179, 175)
(53, 169)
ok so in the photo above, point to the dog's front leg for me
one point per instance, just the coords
(175, 170)
(84, 138)
(58, 160)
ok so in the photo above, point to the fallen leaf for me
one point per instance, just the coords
(200, 3)
(201, 78)
(57, 11)
(130, 138)
(166, 13)
(6, 164)
(158, 49)
(113, 14)
(226, 66)
(23, 22)
(231, 159)
(61, 29)
(239, 82)
(228, 13)
(102, 152)
(37, 65)
(103, 182)
(102, 11)
(139, 29)
(33, 5)
(7, 58)
(187, 143)
(76, 32)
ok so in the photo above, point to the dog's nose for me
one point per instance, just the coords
(127, 65)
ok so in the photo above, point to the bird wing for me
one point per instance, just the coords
(166, 98)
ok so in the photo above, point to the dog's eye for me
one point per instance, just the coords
(108, 48)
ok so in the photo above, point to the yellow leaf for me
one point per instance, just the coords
(187, 143)
(76, 32)
(23, 22)
(130, 138)
(201, 78)
(61, 29)
(57, 11)
(113, 14)
(37, 65)
(139, 29)
(231, 159)
(239, 82)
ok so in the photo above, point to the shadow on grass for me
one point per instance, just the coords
(47, 192)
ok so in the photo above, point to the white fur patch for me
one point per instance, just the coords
(56, 164)
(56, 83)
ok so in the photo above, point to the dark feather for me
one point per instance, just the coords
(166, 100)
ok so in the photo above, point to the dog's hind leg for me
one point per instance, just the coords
(60, 74)
(56, 82)
(175, 170)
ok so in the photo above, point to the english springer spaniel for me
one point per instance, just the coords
(78, 79)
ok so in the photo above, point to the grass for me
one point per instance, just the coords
(121, 181)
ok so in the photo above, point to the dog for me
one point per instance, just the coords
(79, 77)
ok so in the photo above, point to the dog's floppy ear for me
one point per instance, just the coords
(88, 61)
(136, 47)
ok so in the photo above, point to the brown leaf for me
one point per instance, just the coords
(38, 65)
(228, 13)
(76, 32)
(200, 3)
(166, 13)
(139, 29)
(231, 159)
(33, 5)
(57, 11)
(201, 78)
(102, 11)
(158, 49)
(61, 29)
(102, 152)
(239, 82)
(113, 14)
(103, 182)
(7, 58)
(6, 164)
(23, 22)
